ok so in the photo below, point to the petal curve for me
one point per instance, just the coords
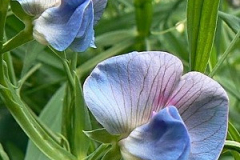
(203, 106)
(59, 26)
(165, 137)
(123, 91)
(85, 35)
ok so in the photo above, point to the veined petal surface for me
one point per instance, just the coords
(203, 106)
(164, 137)
(122, 92)
(59, 26)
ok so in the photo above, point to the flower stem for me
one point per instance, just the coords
(75, 116)
(3, 13)
(11, 73)
(27, 121)
(21, 38)
(17, 107)
(31, 126)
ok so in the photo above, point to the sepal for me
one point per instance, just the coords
(102, 136)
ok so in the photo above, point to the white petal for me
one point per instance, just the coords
(36, 7)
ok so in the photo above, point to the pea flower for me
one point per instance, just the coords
(159, 113)
(65, 23)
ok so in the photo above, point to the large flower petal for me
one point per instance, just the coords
(123, 91)
(165, 137)
(36, 7)
(203, 106)
(59, 26)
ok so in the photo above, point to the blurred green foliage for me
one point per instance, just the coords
(116, 33)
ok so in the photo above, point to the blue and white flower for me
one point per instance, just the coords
(65, 23)
(158, 112)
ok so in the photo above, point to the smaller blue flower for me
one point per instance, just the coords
(65, 23)
(159, 113)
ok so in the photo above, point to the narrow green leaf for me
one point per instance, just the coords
(235, 136)
(232, 21)
(101, 135)
(233, 132)
(50, 116)
(32, 126)
(232, 145)
(201, 24)
(81, 122)
(3, 154)
(225, 54)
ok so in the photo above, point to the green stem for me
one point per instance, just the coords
(32, 128)
(26, 120)
(21, 38)
(75, 114)
(29, 124)
(225, 54)
(69, 73)
(1, 70)
(74, 59)
(62, 57)
(3, 13)
(8, 59)
(143, 14)
(26, 76)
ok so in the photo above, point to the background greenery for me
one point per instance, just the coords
(116, 33)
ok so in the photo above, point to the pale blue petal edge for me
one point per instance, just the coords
(164, 137)
(123, 91)
(203, 106)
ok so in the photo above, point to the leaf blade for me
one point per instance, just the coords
(201, 25)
